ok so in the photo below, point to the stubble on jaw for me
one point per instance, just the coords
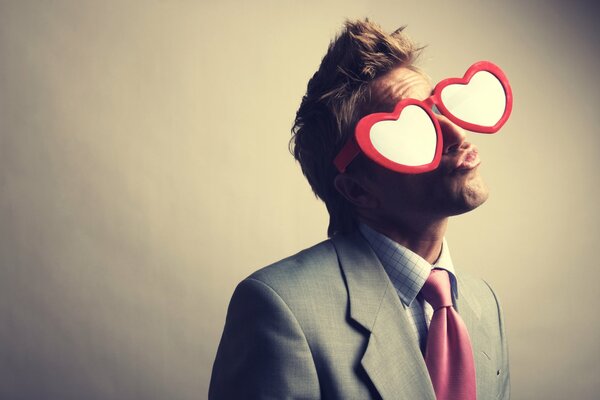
(469, 194)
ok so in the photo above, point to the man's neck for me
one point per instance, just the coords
(425, 239)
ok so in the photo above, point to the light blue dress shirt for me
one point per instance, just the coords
(408, 272)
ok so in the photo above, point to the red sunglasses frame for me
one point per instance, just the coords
(361, 140)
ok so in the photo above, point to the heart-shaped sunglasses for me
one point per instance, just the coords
(409, 139)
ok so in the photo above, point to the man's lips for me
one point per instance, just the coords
(465, 160)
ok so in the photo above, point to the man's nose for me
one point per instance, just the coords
(453, 135)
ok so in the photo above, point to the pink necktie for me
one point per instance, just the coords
(448, 356)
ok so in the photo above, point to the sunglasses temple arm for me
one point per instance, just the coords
(346, 155)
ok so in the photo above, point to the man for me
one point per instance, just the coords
(350, 318)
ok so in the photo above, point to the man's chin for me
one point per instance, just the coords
(473, 194)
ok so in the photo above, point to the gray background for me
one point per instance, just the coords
(144, 172)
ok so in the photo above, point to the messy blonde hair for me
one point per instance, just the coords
(337, 96)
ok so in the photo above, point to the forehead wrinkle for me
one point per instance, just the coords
(400, 84)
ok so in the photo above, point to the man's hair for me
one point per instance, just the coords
(337, 96)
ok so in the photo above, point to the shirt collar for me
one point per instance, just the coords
(407, 270)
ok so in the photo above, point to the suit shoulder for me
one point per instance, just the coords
(307, 279)
(315, 262)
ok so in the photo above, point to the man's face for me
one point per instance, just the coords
(453, 188)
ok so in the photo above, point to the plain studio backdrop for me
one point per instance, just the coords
(144, 172)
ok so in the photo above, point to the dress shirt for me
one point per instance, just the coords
(408, 272)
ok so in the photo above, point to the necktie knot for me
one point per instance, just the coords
(436, 290)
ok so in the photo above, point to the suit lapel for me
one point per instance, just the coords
(469, 308)
(392, 360)
(467, 305)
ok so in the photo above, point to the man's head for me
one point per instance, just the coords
(367, 70)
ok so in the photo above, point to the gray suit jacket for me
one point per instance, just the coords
(327, 323)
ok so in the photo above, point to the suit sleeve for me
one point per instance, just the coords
(263, 352)
(504, 372)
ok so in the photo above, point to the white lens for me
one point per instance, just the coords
(410, 140)
(482, 101)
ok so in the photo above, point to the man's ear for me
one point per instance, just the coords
(354, 191)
